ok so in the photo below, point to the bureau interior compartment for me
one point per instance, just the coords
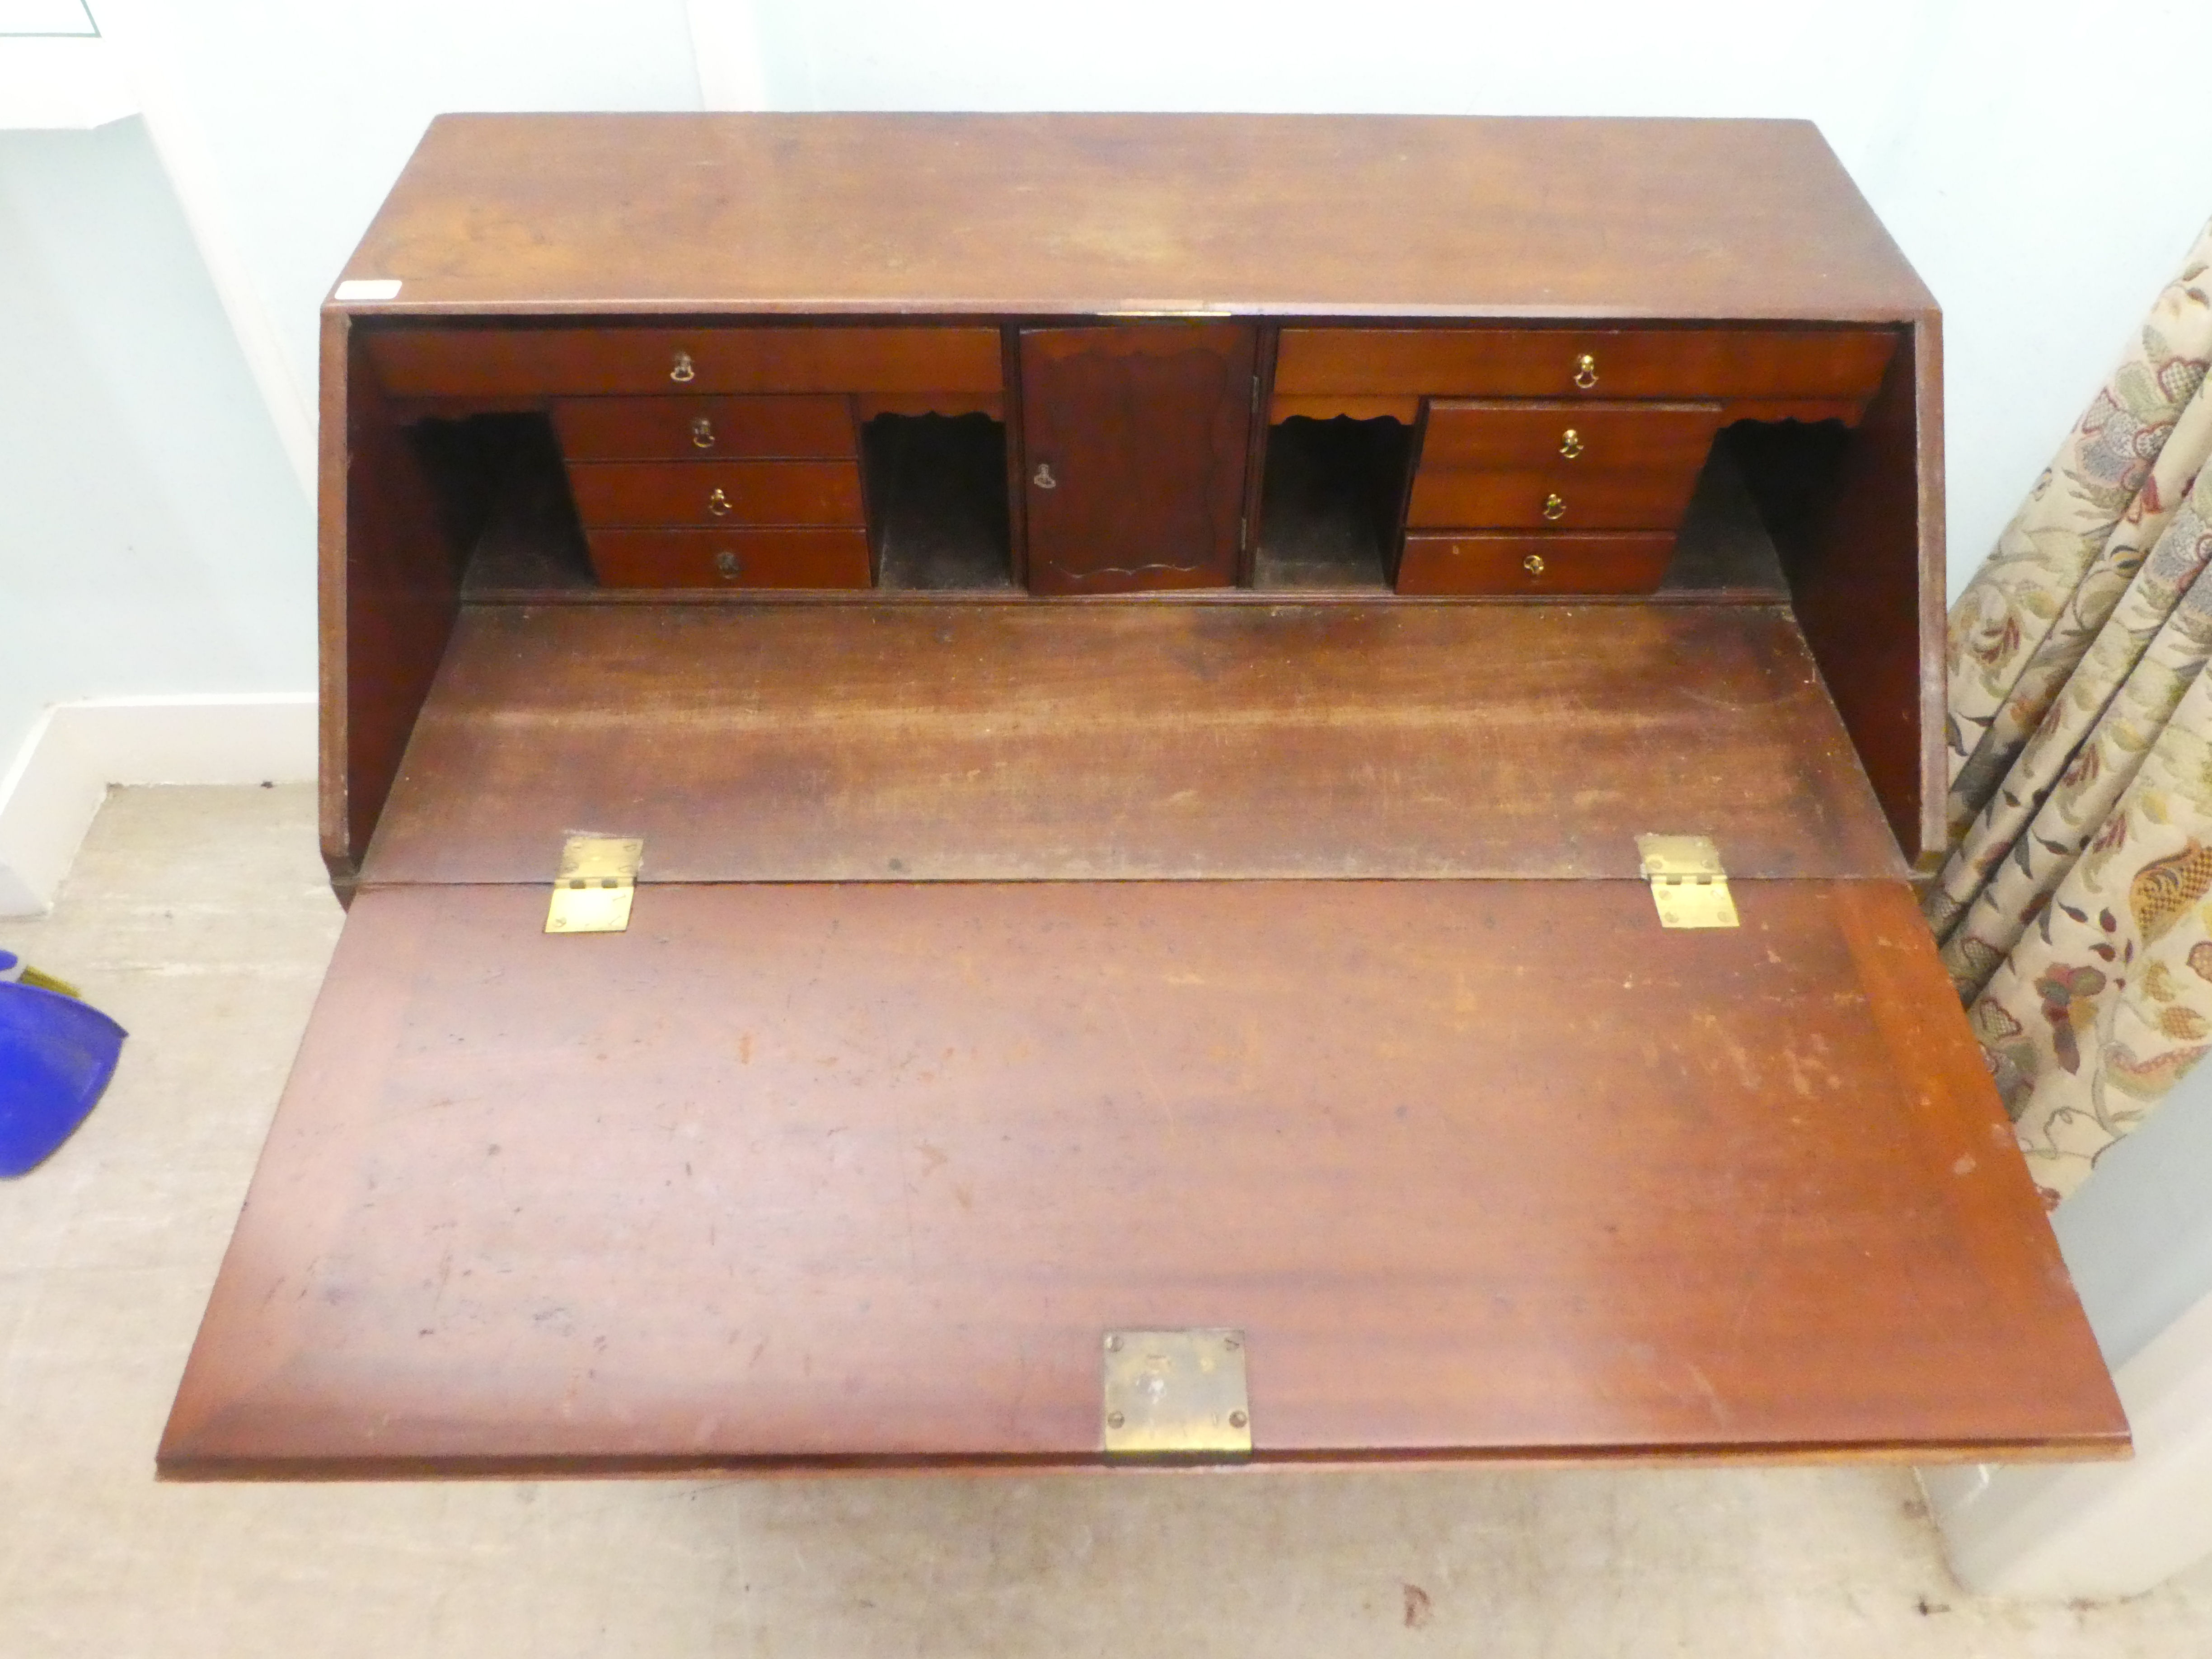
(1334, 496)
(936, 489)
(937, 502)
(1330, 502)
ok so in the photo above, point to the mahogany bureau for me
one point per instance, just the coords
(1054, 789)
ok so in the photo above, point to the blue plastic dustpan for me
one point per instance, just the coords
(56, 1056)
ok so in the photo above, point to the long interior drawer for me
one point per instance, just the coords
(572, 360)
(1738, 363)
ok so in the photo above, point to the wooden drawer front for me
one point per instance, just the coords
(1543, 436)
(475, 362)
(1557, 564)
(1556, 498)
(698, 428)
(730, 558)
(1547, 362)
(707, 494)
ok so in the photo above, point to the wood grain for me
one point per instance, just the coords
(1564, 562)
(1544, 362)
(526, 360)
(705, 493)
(742, 558)
(1132, 739)
(1564, 495)
(1496, 435)
(1069, 215)
(390, 587)
(837, 1175)
(668, 428)
(1134, 441)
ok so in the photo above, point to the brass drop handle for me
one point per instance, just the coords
(719, 504)
(1043, 478)
(1534, 564)
(726, 565)
(1586, 371)
(1554, 508)
(681, 371)
(1571, 444)
(703, 434)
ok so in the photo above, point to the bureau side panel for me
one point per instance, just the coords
(1866, 575)
(389, 592)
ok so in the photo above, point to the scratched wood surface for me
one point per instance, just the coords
(1125, 740)
(862, 1172)
(1070, 215)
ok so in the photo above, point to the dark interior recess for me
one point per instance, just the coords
(937, 502)
(1789, 467)
(506, 498)
(1329, 504)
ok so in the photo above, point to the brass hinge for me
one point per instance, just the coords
(595, 883)
(1689, 885)
(1176, 1395)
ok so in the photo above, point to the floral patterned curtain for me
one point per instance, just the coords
(2072, 911)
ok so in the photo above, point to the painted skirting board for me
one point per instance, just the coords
(2097, 1530)
(77, 750)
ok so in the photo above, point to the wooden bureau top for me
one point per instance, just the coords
(1255, 215)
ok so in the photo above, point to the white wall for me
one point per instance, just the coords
(151, 537)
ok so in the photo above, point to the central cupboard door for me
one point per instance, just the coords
(1134, 438)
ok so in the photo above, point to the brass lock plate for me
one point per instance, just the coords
(1176, 1395)
(595, 884)
(1689, 885)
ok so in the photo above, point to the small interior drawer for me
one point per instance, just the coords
(700, 429)
(1557, 497)
(1557, 563)
(788, 557)
(475, 362)
(1584, 362)
(707, 494)
(1489, 435)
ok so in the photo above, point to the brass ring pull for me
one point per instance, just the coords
(1571, 445)
(682, 371)
(703, 434)
(719, 504)
(1554, 508)
(1586, 371)
(726, 565)
(1534, 564)
(1044, 480)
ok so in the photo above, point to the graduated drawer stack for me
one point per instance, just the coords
(1561, 460)
(709, 457)
(757, 491)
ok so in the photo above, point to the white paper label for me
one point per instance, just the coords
(368, 288)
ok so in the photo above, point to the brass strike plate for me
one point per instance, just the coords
(1176, 1395)
(595, 884)
(1689, 883)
